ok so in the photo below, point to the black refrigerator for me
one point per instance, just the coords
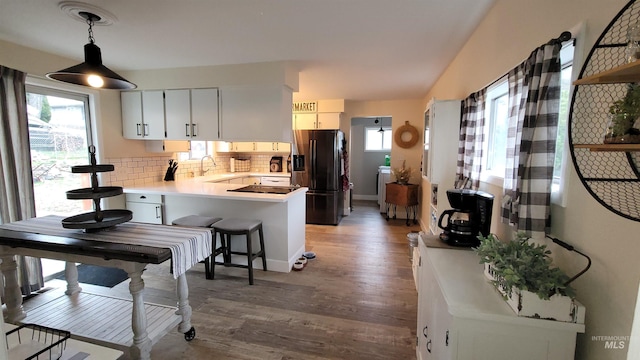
(318, 165)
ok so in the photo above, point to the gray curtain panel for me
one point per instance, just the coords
(16, 182)
(534, 99)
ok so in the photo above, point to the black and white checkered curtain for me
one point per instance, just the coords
(534, 98)
(470, 140)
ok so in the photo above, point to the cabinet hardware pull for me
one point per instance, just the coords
(138, 130)
(446, 339)
(429, 346)
(193, 130)
(158, 215)
(186, 130)
(146, 129)
(425, 331)
(143, 197)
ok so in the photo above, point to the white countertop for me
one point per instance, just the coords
(206, 186)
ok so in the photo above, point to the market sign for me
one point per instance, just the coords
(305, 106)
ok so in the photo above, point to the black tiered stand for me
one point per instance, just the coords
(98, 219)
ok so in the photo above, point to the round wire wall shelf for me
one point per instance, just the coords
(608, 172)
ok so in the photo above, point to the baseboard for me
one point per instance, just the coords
(365, 197)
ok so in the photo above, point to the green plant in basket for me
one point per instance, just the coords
(522, 265)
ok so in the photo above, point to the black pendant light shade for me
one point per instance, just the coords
(381, 129)
(91, 72)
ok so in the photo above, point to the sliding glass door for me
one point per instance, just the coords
(59, 135)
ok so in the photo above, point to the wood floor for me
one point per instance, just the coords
(356, 300)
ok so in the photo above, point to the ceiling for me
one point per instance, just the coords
(345, 49)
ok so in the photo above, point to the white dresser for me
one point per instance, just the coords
(461, 316)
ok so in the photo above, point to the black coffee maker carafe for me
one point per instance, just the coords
(470, 216)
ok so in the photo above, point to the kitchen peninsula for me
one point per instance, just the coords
(282, 215)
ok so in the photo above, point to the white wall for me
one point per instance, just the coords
(510, 31)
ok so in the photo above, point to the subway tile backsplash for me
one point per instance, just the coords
(144, 170)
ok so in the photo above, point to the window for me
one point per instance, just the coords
(376, 140)
(560, 166)
(59, 136)
(496, 115)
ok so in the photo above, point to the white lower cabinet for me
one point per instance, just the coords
(461, 316)
(146, 208)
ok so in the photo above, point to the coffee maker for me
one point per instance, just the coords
(470, 216)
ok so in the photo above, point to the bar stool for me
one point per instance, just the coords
(228, 227)
(205, 222)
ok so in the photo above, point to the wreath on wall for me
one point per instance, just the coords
(399, 137)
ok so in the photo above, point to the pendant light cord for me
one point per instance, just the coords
(90, 18)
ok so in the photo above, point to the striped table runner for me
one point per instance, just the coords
(188, 245)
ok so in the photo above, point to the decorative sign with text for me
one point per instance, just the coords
(305, 107)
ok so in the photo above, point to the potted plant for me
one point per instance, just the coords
(624, 123)
(402, 174)
(523, 273)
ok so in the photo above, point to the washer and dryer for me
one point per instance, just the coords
(384, 176)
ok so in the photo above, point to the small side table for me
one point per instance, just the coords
(404, 195)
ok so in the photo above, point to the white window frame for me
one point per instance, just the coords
(495, 91)
(382, 148)
(567, 58)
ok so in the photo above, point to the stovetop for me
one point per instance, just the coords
(266, 189)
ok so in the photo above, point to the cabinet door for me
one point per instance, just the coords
(204, 114)
(255, 113)
(328, 121)
(145, 212)
(251, 180)
(305, 121)
(243, 146)
(283, 147)
(425, 325)
(264, 146)
(178, 114)
(131, 102)
(153, 115)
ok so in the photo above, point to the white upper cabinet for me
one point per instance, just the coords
(192, 114)
(153, 115)
(183, 114)
(328, 121)
(142, 115)
(305, 121)
(312, 121)
(178, 114)
(205, 122)
(256, 113)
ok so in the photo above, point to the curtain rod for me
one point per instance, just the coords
(565, 36)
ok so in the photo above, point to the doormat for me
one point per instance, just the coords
(97, 275)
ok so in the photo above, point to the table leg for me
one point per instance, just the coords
(71, 276)
(141, 348)
(12, 292)
(184, 309)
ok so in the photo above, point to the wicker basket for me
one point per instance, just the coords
(243, 165)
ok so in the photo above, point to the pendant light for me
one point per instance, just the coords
(91, 72)
(381, 129)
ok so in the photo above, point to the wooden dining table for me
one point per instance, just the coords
(128, 246)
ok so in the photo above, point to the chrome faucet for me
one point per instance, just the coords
(202, 170)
